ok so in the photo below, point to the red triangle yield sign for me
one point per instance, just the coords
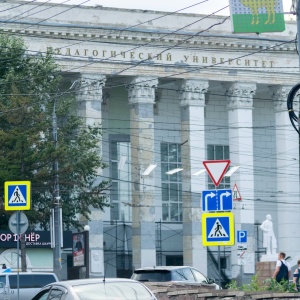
(216, 169)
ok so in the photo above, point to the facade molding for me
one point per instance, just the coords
(142, 90)
(90, 87)
(240, 95)
(112, 34)
(280, 95)
(192, 92)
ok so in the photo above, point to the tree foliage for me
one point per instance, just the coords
(29, 89)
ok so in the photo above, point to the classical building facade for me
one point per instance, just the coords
(173, 90)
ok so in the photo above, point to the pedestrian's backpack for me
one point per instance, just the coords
(283, 273)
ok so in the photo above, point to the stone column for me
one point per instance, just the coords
(287, 192)
(89, 103)
(193, 153)
(240, 123)
(141, 94)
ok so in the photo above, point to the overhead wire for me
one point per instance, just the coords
(7, 21)
(119, 30)
(176, 74)
(19, 5)
(206, 129)
(295, 120)
(15, 17)
(201, 2)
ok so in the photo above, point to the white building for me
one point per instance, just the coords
(175, 90)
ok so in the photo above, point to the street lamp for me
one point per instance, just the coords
(87, 250)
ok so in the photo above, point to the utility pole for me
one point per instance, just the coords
(298, 27)
(56, 204)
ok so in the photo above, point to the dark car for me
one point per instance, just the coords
(96, 289)
(172, 273)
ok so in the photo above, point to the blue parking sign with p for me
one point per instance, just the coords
(242, 236)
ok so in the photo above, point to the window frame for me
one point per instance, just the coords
(213, 153)
(117, 208)
(171, 185)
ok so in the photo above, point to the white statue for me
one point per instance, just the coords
(269, 239)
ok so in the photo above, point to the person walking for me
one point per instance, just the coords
(283, 269)
(296, 277)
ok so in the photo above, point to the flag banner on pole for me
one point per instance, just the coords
(257, 16)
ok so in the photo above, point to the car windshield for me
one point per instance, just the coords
(152, 275)
(112, 291)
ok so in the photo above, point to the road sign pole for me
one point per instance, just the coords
(18, 252)
(219, 254)
(219, 265)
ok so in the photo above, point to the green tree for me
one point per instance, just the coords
(29, 86)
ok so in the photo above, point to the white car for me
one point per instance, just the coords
(96, 289)
(181, 274)
(29, 283)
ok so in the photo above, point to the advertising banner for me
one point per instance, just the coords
(78, 249)
(33, 239)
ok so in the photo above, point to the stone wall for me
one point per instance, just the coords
(265, 270)
(178, 291)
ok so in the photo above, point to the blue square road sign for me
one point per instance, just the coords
(217, 200)
(242, 236)
(17, 195)
(218, 229)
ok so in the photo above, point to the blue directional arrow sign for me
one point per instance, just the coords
(217, 200)
(218, 229)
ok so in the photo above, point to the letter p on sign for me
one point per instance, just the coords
(242, 236)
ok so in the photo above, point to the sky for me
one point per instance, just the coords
(202, 7)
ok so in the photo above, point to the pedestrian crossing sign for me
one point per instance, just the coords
(17, 195)
(218, 229)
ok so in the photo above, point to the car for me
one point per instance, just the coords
(172, 273)
(95, 289)
(23, 285)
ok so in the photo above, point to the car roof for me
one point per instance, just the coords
(91, 280)
(160, 268)
(27, 273)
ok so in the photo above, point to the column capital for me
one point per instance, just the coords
(142, 90)
(279, 96)
(90, 86)
(192, 92)
(240, 95)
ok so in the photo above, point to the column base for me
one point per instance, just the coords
(265, 270)
(269, 257)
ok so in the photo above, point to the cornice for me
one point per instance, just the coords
(139, 37)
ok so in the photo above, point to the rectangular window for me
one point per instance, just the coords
(120, 173)
(171, 184)
(218, 152)
(25, 281)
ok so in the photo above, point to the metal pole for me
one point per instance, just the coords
(298, 28)
(18, 253)
(87, 250)
(56, 203)
(219, 265)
